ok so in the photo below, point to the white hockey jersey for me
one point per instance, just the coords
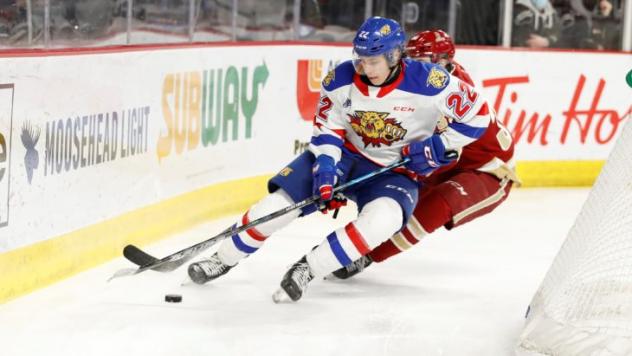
(378, 122)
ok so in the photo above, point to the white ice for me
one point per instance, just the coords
(457, 293)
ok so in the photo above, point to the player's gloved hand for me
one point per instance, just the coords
(337, 202)
(426, 155)
(325, 177)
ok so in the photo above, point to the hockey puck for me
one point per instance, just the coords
(173, 298)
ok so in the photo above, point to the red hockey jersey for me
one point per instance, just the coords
(493, 152)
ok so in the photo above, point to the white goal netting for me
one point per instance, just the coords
(584, 305)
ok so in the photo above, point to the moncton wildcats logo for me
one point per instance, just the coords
(376, 128)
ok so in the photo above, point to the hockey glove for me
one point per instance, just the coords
(337, 202)
(427, 155)
(325, 177)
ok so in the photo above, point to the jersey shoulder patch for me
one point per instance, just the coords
(340, 76)
(424, 78)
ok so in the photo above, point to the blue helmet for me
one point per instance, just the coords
(379, 35)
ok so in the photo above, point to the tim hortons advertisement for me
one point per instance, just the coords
(558, 105)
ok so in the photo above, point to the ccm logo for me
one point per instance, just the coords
(403, 108)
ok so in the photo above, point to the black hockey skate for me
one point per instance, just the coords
(207, 270)
(294, 282)
(351, 270)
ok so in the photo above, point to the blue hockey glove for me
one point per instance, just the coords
(325, 177)
(427, 155)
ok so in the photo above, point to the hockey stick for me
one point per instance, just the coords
(177, 259)
(142, 258)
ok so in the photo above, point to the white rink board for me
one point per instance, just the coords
(53, 190)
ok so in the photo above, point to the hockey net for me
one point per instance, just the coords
(584, 304)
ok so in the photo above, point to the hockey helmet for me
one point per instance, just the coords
(435, 44)
(379, 36)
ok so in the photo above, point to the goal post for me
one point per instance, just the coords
(584, 305)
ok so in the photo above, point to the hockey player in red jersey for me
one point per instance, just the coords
(436, 46)
(461, 192)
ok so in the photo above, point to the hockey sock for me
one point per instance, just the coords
(377, 220)
(249, 241)
(434, 213)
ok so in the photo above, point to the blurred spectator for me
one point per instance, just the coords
(535, 24)
(8, 14)
(328, 20)
(477, 22)
(590, 24)
(427, 14)
(12, 14)
(348, 14)
(575, 23)
(606, 30)
(81, 18)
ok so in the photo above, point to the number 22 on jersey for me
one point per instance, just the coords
(461, 102)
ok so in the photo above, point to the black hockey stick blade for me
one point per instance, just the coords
(142, 258)
(175, 260)
(138, 256)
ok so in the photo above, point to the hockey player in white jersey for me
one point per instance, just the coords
(373, 110)
(457, 193)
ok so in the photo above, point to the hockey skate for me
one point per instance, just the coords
(207, 270)
(294, 282)
(351, 270)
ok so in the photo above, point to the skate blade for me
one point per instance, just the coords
(281, 297)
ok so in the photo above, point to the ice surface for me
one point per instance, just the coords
(456, 293)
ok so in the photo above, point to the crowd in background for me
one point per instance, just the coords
(589, 24)
(584, 24)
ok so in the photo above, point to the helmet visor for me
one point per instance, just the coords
(361, 62)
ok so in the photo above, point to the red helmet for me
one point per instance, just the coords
(433, 43)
